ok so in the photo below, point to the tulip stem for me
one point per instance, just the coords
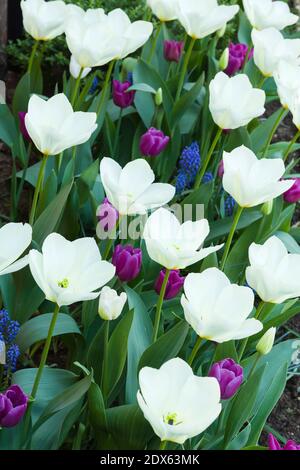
(105, 354)
(195, 350)
(32, 56)
(207, 159)
(230, 236)
(154, 42)
(184, 68)
(258, 312)
(292, 143)
(163, 445)
(159, 305)
(76, 88)
(254, 365)
(117, 135)
(111, 240)
(281, 115)
(104, 89)
(38, 188)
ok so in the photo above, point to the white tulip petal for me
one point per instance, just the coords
(14, 239)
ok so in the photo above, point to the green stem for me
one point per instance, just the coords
(184, 68)
(111, 240)
(262, 81)
(117, 134)
(292, 143)
(32, 56)
(163, 445)
(159, 305)
(230, 236)
(254, 365)
(104, 89)
(207, 159)
(259, 309)
(105, 353)
(76, 88)
(38, 188)
(245, 341)
(195, 350)
(154, 42)
(274, 128)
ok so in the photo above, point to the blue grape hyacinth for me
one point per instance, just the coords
(189, 164)
(229, 206)
(8, 333)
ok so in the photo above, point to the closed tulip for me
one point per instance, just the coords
(173, 50)
(121, 96)
(200, 18)
(266, 13)
(230, 376)
(234, 102)
(287, 79)
(13, 405)
(15, 238)
(110, 303)
(178, 404)
(273, 272)
(43, 20)
(128, 262)
(69, 272)
(216, 309)
(293, 194)
(176, 246)
(273, 444)
(174, 284)
(153, 142)
(251, 181)
(53, 125)
(131, 190)
(165, 10)
(270, 47)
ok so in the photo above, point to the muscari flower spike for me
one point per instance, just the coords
(189, 164)
(8, 333)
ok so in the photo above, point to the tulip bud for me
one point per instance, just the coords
(273, 444)
(174, 284)
(173, 50)
(128, 262)
(293, 194)
(265, 344)
(121, 96)
(159, 97)
(22, 126)
(224, 59)
(153, 142)
(229, 374)
(107, 215)
(111, 304)
(267, 207)
(222, 31)
(237, 57)
(13, 405)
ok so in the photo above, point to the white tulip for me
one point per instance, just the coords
(75, 69)
(14, 239)
(294, 107)
(270, 47)
(200, 18)
(273, 273)
(287, 79)
(69, 272)
(178, 404)
(216, 309)
(54, 126)
(131, 190)
(234, 102)
(176, 246)
(251, 181)
(165, 10)
(266, 13)
(43, 20)
(111, 304)
(265, 344)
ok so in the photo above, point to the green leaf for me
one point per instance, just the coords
(186, 101)
(8, 129)
(261, 134)
(142, 87)
(95, 353)
(241, 439)
(225, 350)
(221, 227)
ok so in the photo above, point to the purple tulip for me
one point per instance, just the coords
(107, 215)
(128, 262)
(229, 374)
(293, 194)
(274, 444)
(121, 96)
(174, 284)
(23, 129)
(153, 142)
(13, 404)
(173, 50)
(237, 57)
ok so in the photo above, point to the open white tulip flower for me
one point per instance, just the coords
(200, 18)
(43, 20)
(294, 107)
(132, 190)
(165, 10)
(273, 273)
(53, 125)
(176, 246)
(178, 404)
(110, 303)
(251, 181)
(69, 272)
(270, 47)
(234, 102)
(216, 309)
(266, 14)
(287, 79)
(14, 239)
(75, 69)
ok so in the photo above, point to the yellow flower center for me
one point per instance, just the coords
(172, 419)
(64, 283)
